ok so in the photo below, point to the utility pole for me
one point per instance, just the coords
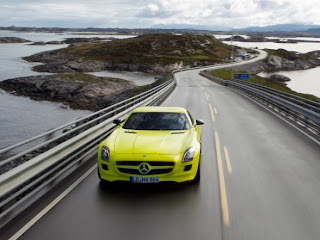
(231, 39)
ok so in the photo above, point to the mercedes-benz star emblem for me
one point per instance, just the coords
(144, 168)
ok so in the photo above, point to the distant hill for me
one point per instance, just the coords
(191, 27)
(313, 30)
(272, 28)
(279, 28)
(178, 28)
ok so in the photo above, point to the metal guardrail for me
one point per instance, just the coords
(76, 127)
(303, 113)
(31, 178)
(309, 104)
(217, 80)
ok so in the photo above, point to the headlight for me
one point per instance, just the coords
(105, 153)
(188, 154)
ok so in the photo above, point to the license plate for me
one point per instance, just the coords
(144, 179)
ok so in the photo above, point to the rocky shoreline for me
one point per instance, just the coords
(57, 61)
(276, 63)
(261, 38)
(79, 91)
(13, 40)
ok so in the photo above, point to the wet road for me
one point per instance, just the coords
(270, 173)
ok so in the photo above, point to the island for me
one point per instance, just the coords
(13, 40)
(262, 37)
(77, 90)
(152, 53)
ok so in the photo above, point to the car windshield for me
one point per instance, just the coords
(157, 121)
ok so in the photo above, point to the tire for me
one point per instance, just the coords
(102, 181)
(197, 178)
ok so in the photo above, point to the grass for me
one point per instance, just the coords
(84, 79)
(162, 49)
(291, 56)
(226, 74)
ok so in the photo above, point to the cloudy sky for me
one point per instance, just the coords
(147, 13)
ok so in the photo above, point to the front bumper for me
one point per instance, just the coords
(181, 172)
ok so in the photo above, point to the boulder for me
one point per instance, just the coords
(279, 78)
(274, 62)
(288, 65)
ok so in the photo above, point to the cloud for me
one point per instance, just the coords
(146, 13)
(155, 11)
(235, 13)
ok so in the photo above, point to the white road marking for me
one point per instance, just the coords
(211, 112)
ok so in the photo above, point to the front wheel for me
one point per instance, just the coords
(197, 178)
(102, 181)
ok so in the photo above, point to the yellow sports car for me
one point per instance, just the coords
(153, 144)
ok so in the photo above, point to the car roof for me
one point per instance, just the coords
(160, 109)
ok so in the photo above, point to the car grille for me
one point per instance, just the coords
(156, 167)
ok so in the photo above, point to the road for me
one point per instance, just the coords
(259, 180)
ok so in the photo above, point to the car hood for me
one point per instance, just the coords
(143, 141)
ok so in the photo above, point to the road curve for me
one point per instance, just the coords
(270, 175)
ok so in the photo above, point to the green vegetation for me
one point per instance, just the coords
(258, 38)
(151, 49)
(84, 79)
(226, 74)
(12, 40)
(291, 56)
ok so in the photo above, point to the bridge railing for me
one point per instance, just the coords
(36, 176)
(62, 133)
(303, 113)
(306, 103)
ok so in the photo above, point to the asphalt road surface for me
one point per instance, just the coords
(260, 179)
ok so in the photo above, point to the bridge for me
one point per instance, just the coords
(259, 174)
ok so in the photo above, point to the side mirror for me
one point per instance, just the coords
(117, 121)
(199, 122)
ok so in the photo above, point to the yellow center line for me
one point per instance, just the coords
(211, 111)
(223, 194)
(207, 97)
(215, 110)
(226, 154)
